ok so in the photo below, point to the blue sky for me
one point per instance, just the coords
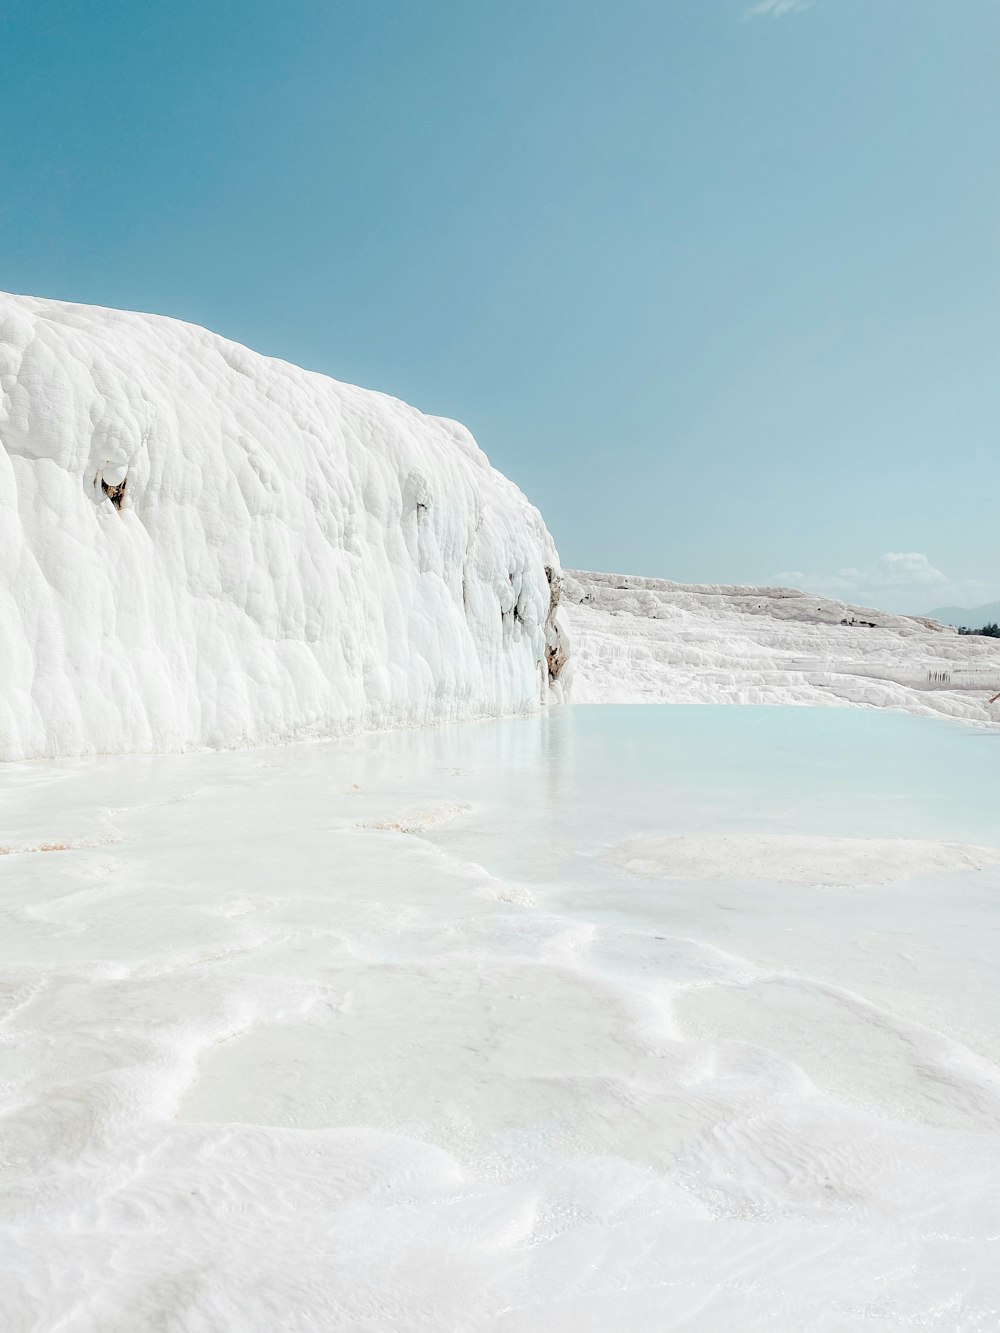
(716, 282)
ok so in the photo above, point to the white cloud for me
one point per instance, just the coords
(897, 581)
(776, 9)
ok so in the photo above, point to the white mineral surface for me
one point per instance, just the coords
(200, 545)
(387, 1035)
(642, 640)
(787, 859)
(595, 1019)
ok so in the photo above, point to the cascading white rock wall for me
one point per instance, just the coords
(204, 546)
(647, 640)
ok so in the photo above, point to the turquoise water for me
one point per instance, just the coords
(554, 795)
(713, 769)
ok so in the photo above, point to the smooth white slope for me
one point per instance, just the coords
(639, 640)
(291, 555)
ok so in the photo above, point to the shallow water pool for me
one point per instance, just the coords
(615, 1018)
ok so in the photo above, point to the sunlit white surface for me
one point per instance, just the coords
(200, 545)
(644, 640)
(392, 1034)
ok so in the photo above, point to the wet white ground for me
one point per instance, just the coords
(507, 1027)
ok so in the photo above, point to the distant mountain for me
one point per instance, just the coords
(972, 616)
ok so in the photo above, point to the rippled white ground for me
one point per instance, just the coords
(504, 1027)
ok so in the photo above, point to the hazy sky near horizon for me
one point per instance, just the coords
(716, 282)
